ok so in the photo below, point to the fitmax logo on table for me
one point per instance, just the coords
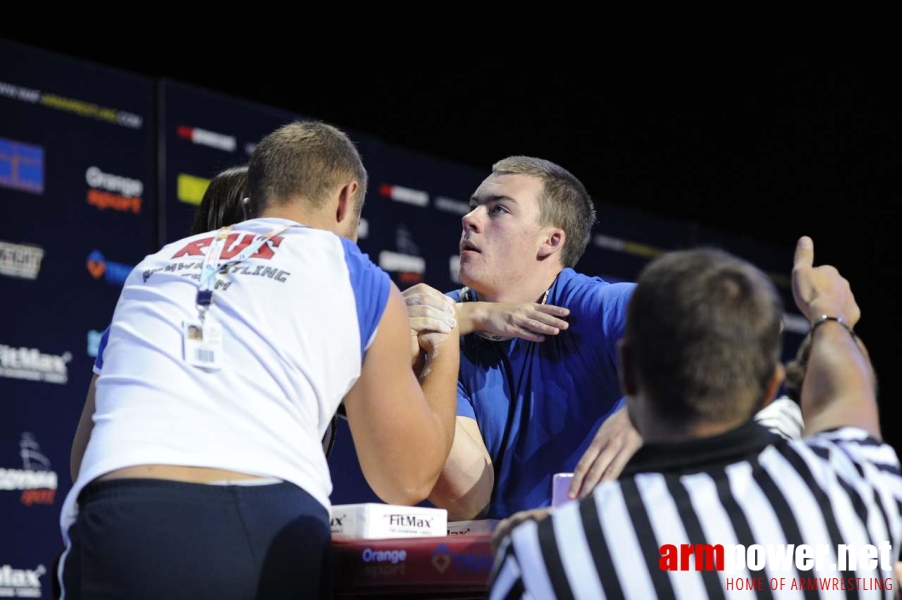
(409, 521)
(112, 272)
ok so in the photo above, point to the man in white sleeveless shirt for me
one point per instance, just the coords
(228, 354)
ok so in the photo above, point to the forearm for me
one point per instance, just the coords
(438, 378)
(403, 430)
(79, 445)
(83, 432)
(503, 320)
(467, 315)
(465, 485)
(838, 388)
(418, 455)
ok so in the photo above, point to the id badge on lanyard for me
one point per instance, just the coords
(202, 338)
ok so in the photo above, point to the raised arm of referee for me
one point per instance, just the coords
(699, 357)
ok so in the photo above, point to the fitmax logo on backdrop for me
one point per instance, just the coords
(21, 583)
(33, 365)
(112, 272)
(36, 480)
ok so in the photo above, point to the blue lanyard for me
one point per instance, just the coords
(211, 265)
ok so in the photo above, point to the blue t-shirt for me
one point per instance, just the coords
(539, 404)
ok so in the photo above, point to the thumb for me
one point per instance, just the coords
(804, 256)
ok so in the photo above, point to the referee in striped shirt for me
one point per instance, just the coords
(699, 357)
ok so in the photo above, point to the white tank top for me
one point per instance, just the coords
(296, 319)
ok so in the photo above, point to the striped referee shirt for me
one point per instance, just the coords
(745, 487)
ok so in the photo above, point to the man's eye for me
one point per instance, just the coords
(498, 209)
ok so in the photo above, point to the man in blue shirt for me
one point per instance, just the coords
(528, 410)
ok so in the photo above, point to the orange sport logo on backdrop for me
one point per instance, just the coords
(115, 192)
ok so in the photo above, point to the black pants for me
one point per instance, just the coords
(146, 538)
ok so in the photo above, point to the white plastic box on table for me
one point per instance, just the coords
(477, 526)
(372, 521)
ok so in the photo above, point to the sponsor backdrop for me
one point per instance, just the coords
(98, 167)
(77, 192)
(202, 134)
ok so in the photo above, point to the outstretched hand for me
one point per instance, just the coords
(614, 445)
(528, 321)
(821, 290)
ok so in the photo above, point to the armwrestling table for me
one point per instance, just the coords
(455, 566)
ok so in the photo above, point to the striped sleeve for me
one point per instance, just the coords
(866, 464)
(506, 581)
(523, 565)
(862, 448)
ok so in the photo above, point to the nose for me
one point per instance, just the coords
(471, 220)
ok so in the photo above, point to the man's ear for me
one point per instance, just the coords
(773, 386)
(246, 208)
(629, 383)
(553, 242)
(346, 196)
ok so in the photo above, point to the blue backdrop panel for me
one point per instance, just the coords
(204, 133)
(624, 241)
(776, 262)
(420, 201)
(77, 190)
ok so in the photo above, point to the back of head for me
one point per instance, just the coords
(221, 204)
(704, 332)
(564, 203)
(303, 160)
